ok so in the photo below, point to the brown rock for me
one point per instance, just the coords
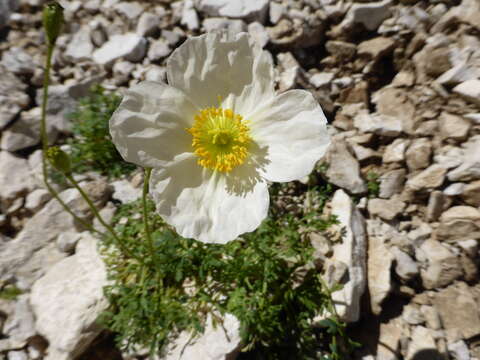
(376, 48)
(418, 154)
(469, 268)
(453, 127)
(379, 263)
(435, 206)
(343, 51)
(437, 61)
(458, 310)
(343, 169)
(443, 266)
(386, 209)
(395, 102)
(459, 223)
(471, 194)
(392, 183)
(430, 178)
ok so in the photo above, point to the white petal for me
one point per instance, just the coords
(291, 131)
(213, 65)
(209, 206)
(148, 128)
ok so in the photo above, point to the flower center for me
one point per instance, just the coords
(220, 139)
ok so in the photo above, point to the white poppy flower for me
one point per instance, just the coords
(216, 134)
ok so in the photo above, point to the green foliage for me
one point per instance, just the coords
(267, 279)
(10, 292)
(373, 184)
(91, 145)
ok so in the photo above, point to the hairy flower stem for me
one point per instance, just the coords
(44, 139)
(95, 212)
(146, 180)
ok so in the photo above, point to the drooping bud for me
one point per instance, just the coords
(52, 21)
(59, 159)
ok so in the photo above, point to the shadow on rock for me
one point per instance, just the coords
(428, 354)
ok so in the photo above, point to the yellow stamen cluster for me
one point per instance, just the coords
(220, 139)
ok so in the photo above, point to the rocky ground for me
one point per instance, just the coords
(399, 82)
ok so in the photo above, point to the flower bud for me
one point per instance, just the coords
(52, 21)
(59, 159)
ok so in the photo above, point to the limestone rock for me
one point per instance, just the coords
(352, 252)
(459, 223)
(395, 152)
(222, 24)
(124, 192)
(189, 16)
(386, 209)
(62, 100)
(12, 96)
(470, 247)
(443, 266)
(432, 318)
(258, 32)
(392, 183)
(422, 339)
(382, 125)
(395, 102)
(390, 336)
(370, 15)
(129, 46)
(449, 156)
(471, 193)
(159, 49)
(343, 50)
(470, 90)
(214, 343)
(32, 251)
(290, 71)
(131, 9)
(430, 178)
(463, 13)
(36, 199)
(250, 10)
(418, 154)
(7, 7)
(412, 315)
(470, 166)
(276, 12)
(321, 79)
(25, 131)
(67, 241)
(20, 324)
(68, 300)
(436, 203)
(343, 169)
(453, 127)
(298, 33)
(18, 61)
(148, 24)
(459, 350)
(405, 267)
(379, 263)
(80, 47)
(14, 178)
(464, 316)
(376, 48)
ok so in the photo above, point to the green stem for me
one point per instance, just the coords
(95, 212)
(44, 140)
(146, 180)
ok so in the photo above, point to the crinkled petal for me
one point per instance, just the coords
(148, 128)
(214, 64)
(209, 206)
(292, 129)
